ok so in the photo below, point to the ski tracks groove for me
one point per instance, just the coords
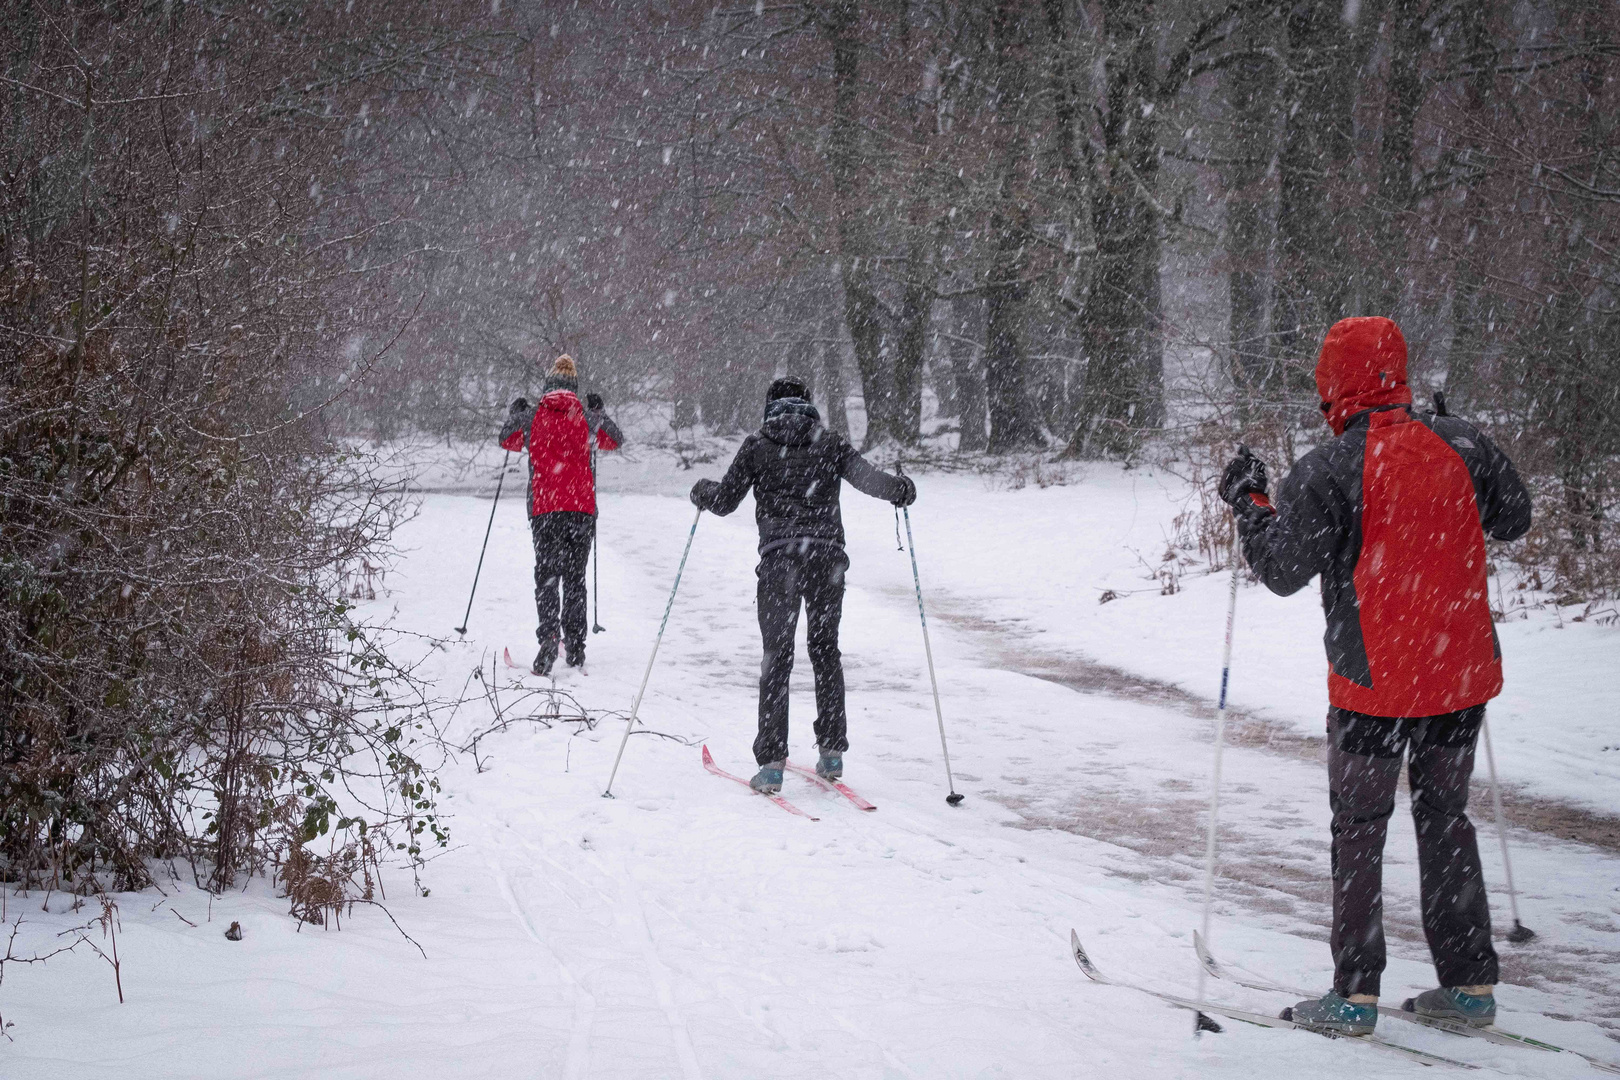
(577, 1063)
(625, 901)
(634, 917)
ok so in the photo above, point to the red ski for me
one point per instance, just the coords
(832, 785)
(708, 763)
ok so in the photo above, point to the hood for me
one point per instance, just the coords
(1362, 366)
(563, 401)
(791, 422)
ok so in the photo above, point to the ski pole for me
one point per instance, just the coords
(1520, 932)
(953, 798)
(1202, 1023)
(635, 707)
(462, 629)
(596, 583)
(596, 559)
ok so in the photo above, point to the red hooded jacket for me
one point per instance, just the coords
(1393, 514)
(559, 435)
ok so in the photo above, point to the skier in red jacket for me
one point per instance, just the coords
(1393, 514)
(559, 434)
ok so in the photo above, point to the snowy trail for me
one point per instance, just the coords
(1013, 648)
(689, 929)
(1274, 846)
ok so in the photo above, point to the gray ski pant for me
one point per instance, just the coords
(1364, 763)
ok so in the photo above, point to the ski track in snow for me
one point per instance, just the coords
(577, 1063)
(688, 929)
(633, 919)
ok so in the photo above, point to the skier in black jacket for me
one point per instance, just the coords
(795, 467)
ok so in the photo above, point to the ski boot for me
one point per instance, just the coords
(768, 781)
(831, 765)
(1333, 1015)
(543, 659)
(575, 655)
(1452, 1003)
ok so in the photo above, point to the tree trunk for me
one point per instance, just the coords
(1314, 258)
(1124, 388)
(1250, 233)
(861, 310)
(832, 372)
(685, 386)
(939, 373)
(1472, 312)
(1012, 419)
(1388, 281)
(921, 272)
(916, 307)
(968, 326)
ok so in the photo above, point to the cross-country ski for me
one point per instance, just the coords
(1254, 1018)
(708, 763)
(455, 455)
(830, 785)
(1405, 1012)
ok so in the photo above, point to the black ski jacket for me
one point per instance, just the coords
(794, 467)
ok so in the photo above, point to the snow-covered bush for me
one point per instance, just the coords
(178, 652)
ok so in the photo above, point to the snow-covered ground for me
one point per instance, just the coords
(690, 929)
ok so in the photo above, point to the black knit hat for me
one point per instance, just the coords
(785, 388)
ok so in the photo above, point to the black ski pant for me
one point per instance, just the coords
(812, 574)
(562, 550)
(1364, 762)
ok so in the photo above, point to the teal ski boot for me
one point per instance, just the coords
(1450, 1003)
(768, 781)
(831, 765)
(1333, 1015)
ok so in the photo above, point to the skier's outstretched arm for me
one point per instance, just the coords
(1288, 543)
(868, 479)
(515, 432)
(1505, 509)
(724, 497)
(608, 435)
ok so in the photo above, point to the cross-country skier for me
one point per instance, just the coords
(1393, 514)
(559, 434)
(795, 468)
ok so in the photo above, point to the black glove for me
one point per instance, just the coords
(1245, 476)
(593, 402)
(703, 493)
(909, 495)
(521, 405)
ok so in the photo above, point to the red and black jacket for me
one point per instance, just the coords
(1393, 514)
(559, 434)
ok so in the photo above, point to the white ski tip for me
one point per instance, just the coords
(1205, 957)
(1081, 958)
